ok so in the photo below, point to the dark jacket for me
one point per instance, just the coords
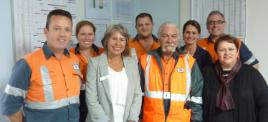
(249, 91)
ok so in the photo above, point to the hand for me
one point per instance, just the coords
(16, 117)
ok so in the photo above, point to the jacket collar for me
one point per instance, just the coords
(157, 53)
(94, 47)
(154, 37)
(48, 52)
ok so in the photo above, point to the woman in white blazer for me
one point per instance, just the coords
(113, 92)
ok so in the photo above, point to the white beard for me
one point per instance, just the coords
(168, 48)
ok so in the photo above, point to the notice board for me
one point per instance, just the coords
(29, 19)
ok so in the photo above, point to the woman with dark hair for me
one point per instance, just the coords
(113, 90)
(85, 34)
(191, 33)
(233, 92)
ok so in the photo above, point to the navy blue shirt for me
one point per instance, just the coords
(201, 56)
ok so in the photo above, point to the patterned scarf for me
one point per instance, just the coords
(224, 96)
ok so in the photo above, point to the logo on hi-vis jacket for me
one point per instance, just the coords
(76, 66)
(180, 69)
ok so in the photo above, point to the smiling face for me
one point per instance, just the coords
(86, 36)
(216, 25)
(116, 44)
(169, 38)
(190, 35)
(58, 33)
(144, 27)
(227, 54)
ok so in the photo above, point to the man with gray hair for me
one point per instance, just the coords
(172, 81)
(216, 26)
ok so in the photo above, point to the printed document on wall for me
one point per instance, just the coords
(29, 18)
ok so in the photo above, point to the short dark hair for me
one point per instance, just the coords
(215, 12)
(110, 31)
(142, 15)
(193, 23)
(58, 12)
(229, 39)
(82, 23)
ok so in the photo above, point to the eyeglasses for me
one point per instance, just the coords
(215, 22)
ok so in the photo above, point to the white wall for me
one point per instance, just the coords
(6, 50)
(161, 10)
(184, 15)
(185, 12)
(256, 37)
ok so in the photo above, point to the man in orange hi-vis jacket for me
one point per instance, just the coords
(172, 82)
(45, 84)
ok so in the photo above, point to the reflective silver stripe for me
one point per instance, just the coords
(250, 60)
(165, 95)
(188, 77)
(53, 104)
(178, 97)
(133, 53)
(160, 94)
(147, 71)
(10, 90)
(47, 83)
(197, 99)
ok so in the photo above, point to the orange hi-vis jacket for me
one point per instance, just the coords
(53, 83)
(83, 61)
(136, 48)
(154, 95)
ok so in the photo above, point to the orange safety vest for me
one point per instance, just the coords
(153, 106)
(53, 83)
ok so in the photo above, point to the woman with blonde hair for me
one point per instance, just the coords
(113, 90)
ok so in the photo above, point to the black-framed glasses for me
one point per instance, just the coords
(215, 22)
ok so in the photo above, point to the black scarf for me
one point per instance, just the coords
(224, 97)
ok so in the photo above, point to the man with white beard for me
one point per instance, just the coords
(171, 81)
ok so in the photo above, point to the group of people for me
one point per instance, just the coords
(147, 78)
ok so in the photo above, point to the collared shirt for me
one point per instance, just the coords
(140, 50)
(48, 52)
(245, 54)
(83, 61)
(168, 67)
(13, 98)
(202, 57)
(208, 45)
